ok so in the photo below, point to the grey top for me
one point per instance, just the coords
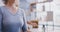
(12, 22)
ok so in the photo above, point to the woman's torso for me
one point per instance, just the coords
(12, 22)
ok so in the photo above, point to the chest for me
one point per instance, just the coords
(10, 19)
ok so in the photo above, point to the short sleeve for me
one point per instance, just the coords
(0, 20)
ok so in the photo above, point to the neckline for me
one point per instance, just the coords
(11, 12)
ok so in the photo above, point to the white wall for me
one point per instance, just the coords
(55, 7)
(1, 3)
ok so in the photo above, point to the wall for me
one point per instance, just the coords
(1, 3)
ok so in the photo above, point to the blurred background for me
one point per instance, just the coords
(46, 13)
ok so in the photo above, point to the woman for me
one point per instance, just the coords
(11, 19)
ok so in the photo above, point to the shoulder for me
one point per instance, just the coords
(21, 10)
(1, 8)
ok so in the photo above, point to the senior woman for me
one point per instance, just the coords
(12, 19)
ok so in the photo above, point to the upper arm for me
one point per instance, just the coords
(0, 21)
(25, 22)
